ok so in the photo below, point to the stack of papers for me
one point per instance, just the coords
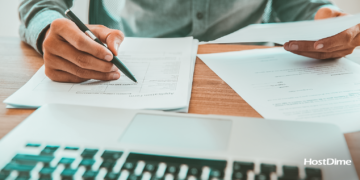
(284, 32)
(282, 85)
(163, 67)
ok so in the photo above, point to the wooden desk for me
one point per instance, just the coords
(210, 94)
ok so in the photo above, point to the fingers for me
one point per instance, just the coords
(345, 38)
(336, 46)
(111, 37)
(325, 12)
(325, 55)
(71, 56)
(300, 46)
(312, 46)
(308, 46)
(73, 35)
(81, 59)
(58, 63)
(61, 76)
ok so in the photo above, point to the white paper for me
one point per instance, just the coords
(284, 32)
(161, 66)
(191, 76)
(20, 107)
(282, 85)
(355, 56)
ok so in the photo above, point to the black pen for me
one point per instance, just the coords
(86, 30)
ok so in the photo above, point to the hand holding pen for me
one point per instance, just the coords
(71, 56)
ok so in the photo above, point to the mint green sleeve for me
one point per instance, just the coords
(297, 10)
(36, 16)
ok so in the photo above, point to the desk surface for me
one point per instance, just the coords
(210, 94)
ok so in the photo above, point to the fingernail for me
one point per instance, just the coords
(116, 76)
(108, 57)
(114, 68)
(294, 47)
(319, 46)
(286, 46)
(117, 46)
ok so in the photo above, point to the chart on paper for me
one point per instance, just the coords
(155, 72)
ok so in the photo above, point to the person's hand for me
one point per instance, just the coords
(71, 56)
(336, 46)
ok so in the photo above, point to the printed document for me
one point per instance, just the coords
(282, 85)
(163, 68)
(284, 32)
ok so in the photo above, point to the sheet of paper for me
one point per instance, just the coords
(355, 56)
(161, 66)
(284, 32)
(185, 109)
(282, 85)
(191, 76)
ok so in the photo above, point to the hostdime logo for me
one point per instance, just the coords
(328, 161)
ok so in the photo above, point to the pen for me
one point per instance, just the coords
(87, 31)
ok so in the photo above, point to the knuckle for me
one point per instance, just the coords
(79, 72)
(82, 61)
(48, 43)
(79, 42)
(49, 61)
(100, 52)
(100, 26)
(348, 36)
(107, 67)
(329, 42)
(107, 76)
(119, 33)
(58, 24)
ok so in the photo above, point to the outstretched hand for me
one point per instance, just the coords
(336, 46)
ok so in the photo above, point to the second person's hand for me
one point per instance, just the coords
(335, 46)
(71, 56)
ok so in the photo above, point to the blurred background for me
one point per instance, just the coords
(9, 18)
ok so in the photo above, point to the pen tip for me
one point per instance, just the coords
(132, 78)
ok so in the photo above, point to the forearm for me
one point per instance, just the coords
(37, 15)
(298, 10)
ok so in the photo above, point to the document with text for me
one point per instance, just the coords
(284, 32)
(282, 85)
(163, 68)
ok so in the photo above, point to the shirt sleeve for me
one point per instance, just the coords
(297, 10)
(36, 16)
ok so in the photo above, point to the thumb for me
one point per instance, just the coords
(111, 37)
(325, 12)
